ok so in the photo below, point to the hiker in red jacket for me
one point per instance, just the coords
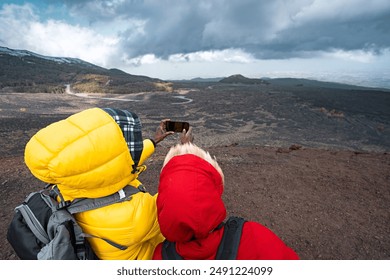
(191, 211)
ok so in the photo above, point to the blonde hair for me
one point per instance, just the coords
(189, 148)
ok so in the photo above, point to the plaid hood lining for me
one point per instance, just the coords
(131, 127)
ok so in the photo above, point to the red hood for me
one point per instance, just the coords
(189, 201)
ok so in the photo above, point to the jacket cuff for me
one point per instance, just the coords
(154, 143)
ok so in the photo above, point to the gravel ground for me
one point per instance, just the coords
(310, 164)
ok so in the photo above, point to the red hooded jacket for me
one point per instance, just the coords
(190, 208)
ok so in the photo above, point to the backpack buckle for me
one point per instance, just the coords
(80, 251)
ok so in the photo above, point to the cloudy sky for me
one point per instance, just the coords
(338, 40)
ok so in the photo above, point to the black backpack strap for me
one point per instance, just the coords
(230, 242)
(168, 251)
(227, 249)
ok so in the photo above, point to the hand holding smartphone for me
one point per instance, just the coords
(176, 126)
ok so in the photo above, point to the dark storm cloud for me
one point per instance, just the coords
(266, 29)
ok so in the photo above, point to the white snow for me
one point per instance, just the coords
(21, 53)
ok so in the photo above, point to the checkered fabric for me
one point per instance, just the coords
(130, 125)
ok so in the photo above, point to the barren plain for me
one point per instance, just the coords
(312, 164)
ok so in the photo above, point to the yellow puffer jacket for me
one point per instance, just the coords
(86, 155)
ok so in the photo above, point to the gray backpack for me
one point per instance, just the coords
(45, 229)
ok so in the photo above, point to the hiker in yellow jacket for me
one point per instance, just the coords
(95, 153)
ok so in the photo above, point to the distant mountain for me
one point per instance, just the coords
(240, 79)
(199, 80)
(309, 83)
(25, 71)
(293, 83)
(207, 80)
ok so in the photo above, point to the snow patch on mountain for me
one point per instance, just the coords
(22, 53)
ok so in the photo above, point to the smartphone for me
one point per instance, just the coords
(176, 126)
